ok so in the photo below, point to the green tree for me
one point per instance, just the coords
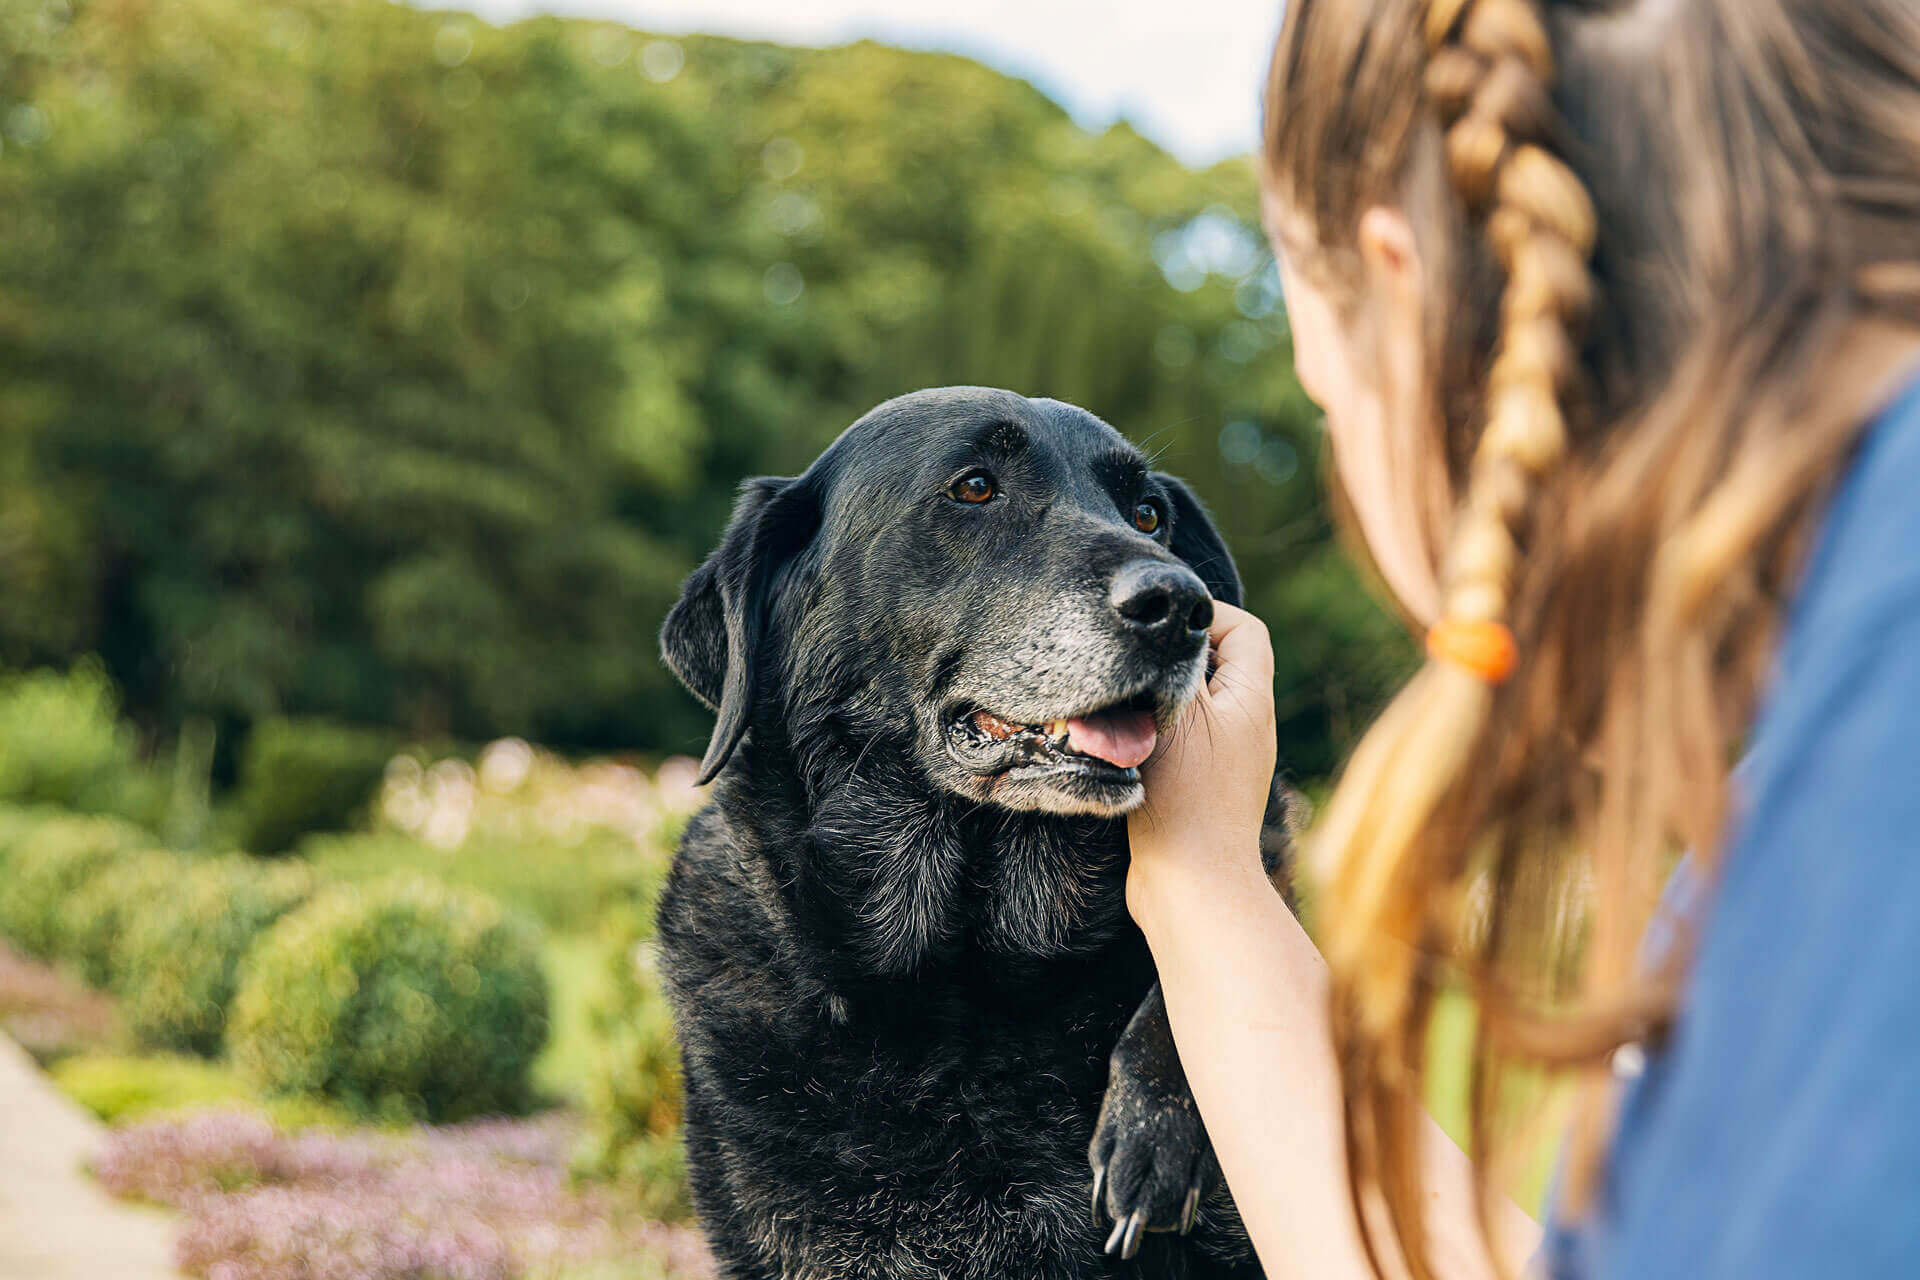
(372, 363)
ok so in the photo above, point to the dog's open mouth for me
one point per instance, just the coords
(1119, 737)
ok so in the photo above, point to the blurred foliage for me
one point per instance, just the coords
(384, 365)
(179, 965)
(97, 917)
(301, 775)
(46, 863)
(565, 885)
(403, 998)
(414, 999)
(633, 1100)
(576, 979)
(17, 822)
(62, 742)
(561, 841)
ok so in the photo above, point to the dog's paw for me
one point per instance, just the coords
(1153, 1166)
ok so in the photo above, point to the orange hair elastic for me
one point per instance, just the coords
(1486, 649)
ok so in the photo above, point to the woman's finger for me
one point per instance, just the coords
(1240, 641)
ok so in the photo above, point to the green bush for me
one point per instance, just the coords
(178, 963)
(17, 822)
(61, 740)
(96, 917)
(50, 861)
(402, 997)
(298, 776)
(633, 1097)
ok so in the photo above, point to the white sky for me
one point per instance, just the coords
(1186, 74)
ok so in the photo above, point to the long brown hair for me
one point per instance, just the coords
(1677, 243)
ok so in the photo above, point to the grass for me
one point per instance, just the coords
(576, 972)
(121, 1088)
(567, 886)
(1449, 1079)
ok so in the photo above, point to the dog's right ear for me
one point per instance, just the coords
(711, 639)
(1198, 542)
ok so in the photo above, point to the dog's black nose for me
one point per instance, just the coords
(1161, 600)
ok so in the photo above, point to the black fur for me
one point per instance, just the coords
(898, 950)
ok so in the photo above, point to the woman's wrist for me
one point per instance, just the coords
(1171, 892)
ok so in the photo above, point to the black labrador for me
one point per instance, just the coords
(896, 939)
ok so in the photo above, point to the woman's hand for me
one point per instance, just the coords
(1207, 790)
(1246, 992)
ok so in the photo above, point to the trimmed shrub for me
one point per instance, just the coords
(633, 1099)
(177, 966)
(95, 918)
(398, 998)
(17, 822)
(298, 776)
(50, 861)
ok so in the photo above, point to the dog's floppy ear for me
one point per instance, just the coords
(711, 639)
(1196, 541)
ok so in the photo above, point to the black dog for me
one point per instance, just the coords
(896, 940)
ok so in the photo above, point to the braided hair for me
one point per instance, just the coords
(1678, 245)
(1487, 77)
(1487, 82)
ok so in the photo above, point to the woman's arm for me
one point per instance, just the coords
(1246, 993)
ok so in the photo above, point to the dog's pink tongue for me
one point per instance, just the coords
(1123, 739)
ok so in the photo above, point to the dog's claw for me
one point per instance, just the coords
(1153, 1170)
(1125, 1239)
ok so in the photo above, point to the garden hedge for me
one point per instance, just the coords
(177, 967)
(49, 861)
(398, 998)
(17, 822)
(96, 916)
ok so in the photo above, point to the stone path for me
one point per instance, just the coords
(55, 1224)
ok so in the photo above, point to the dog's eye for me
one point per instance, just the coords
(974, 487)
(1146, 517)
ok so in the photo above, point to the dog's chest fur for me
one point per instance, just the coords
(903, 1090)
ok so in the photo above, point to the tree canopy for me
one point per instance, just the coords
(384, 364)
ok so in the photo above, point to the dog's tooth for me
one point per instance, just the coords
(1056, 728)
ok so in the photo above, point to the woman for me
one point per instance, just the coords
(1614, 311)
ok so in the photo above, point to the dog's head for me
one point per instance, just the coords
(1000, 587)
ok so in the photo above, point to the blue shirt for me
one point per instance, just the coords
(1777, 1134)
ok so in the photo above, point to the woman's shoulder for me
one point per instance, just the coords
(1778, 1134)
(1849, 664)
(1865, 564)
